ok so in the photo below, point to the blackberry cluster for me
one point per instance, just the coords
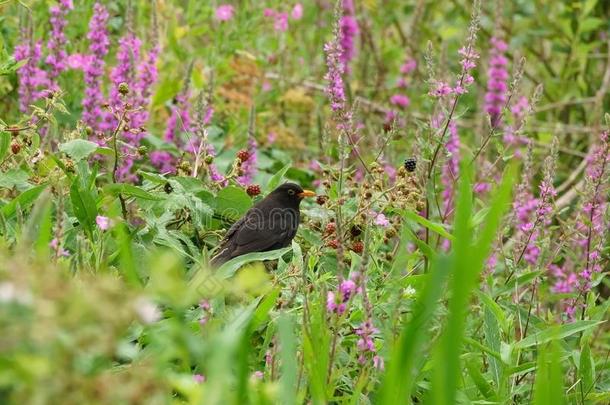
(410, 164)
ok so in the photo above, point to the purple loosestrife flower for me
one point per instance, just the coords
(94, 69)
(147, 77)
(366, 344)
(33, 81)
(349, 30)
(337, 302)
(450, 168)
(57, 56)
(591, 226)
(468, 62)
(249, 165)
(128, 56)
(224, 12)
(400, 100)
(297, 12)
(497, 87)
(335, 88)
(102, 222)
(280, 19)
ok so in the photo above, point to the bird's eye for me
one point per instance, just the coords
(290, 192)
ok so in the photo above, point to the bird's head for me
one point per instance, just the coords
(291, 192)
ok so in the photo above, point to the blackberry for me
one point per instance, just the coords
(330, 227)
(355, 231)
(321, 199)
(358, 246)
(334, 244)
(168, 188)
(411, 164)
(243, 155)
(253, 190)
(15, 147)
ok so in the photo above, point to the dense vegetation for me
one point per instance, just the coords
(457, 251)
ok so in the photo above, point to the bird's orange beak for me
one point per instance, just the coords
(307, 193)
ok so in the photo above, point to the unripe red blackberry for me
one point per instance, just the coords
(321, 199)
(411, 164)
(331, 227)
(253, 190)
(334, 244)
(15, 147)
(358, 246)
(243, 155)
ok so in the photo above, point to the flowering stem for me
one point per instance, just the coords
(116, 159)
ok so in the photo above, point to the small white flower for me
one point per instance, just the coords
(409, 292)
(147, 311)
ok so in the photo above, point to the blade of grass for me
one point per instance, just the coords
(288, 356)
(468, 262)
(399, 378)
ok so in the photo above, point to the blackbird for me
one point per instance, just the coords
(270, 224)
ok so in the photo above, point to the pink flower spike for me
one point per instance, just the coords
(297, 12)
(224, 12)
(102, 222)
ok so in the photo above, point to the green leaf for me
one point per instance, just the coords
(261, 315)
(469, 259)
(438, 228)
(128, 266)
(549, 388)
(484, 387)
(229, 268)
(586, 367)
(275, 180)
(288, 356)
(23, 200)
(84, 206)
(546, 335)
(78, 149)
(5, 142)
(232, 202)
(128, 190)
(399, 377)
(14, 178)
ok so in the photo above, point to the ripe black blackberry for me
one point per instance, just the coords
(411, 164)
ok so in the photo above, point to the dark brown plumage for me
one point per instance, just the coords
(270, 224)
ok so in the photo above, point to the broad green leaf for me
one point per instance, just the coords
(469, 259)
(479, 380)
(399, 378)
(23, 200)
(586, 368)
(232, 202)
(84, 206)
(14, 178)
(438, 228)
(552, 333)
(78, 149)
(288, 356)
(5, 142)
(128, 190)
(275, 180)
(548, 387)
(229, 268)
(127, 260)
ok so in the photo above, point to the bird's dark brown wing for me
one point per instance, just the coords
(259, 230)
